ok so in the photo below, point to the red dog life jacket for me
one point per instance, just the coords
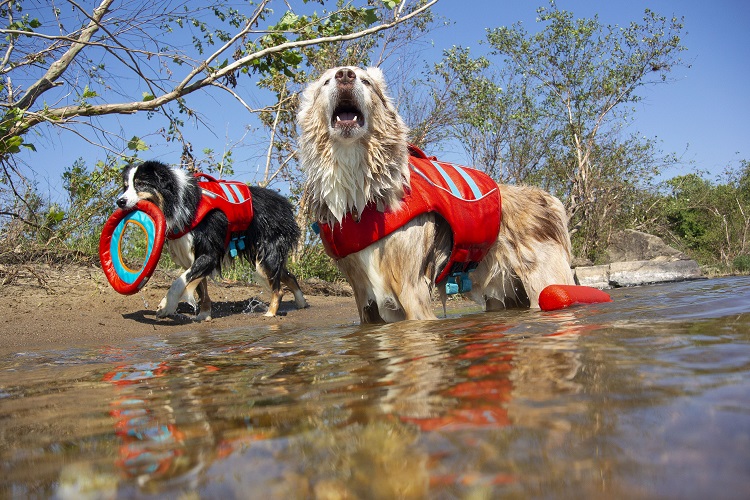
(231, 197)
(469, 200)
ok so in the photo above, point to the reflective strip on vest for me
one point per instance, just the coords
(456, 179)
(230, 197)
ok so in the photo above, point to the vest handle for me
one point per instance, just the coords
(209, 177)
(418, 153)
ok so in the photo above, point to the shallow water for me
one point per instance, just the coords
(645, 397)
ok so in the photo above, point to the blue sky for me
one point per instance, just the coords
(702, 116)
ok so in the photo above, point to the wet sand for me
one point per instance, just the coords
(74, 306)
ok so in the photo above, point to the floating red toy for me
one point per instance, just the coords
(560, 296)
(145, 216)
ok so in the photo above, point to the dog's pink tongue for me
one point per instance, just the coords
(346, 116)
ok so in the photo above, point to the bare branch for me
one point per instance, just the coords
(273, 135)
(280, 169)
(203, 66)
(58, 67)
(11, 45)
(297, 44)
(239, 99)
(183, 88)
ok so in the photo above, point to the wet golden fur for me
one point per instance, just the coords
(353, 147)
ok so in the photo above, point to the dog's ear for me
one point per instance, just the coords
(376, 74)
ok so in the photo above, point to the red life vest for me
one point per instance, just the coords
(469, 200)
(231, 197)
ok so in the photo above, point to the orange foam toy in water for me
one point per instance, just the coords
(555, 297)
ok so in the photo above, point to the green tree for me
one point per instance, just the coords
(688, 212)
(711, 219)
(65, 66)
(587, 72)
(551, 108)
(492, 113)
(622, 191)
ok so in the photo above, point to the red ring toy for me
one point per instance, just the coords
(145, 216)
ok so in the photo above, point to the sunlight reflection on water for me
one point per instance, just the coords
(648, 396)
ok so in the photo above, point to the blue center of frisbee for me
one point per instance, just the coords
(145, 222)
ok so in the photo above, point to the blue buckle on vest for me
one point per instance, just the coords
(236, 244)
(458, 283)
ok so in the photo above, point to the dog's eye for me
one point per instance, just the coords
(366, 81)
(326, 82)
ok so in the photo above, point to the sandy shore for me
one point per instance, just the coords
(74, 306)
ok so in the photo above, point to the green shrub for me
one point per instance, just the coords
(240, 271)
(314, 263)
(741, 263)
(56, 232)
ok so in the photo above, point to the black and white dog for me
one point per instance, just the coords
(202, 248)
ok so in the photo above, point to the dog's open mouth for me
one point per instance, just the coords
(347, 117)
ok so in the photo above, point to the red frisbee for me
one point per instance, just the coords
(150, 220)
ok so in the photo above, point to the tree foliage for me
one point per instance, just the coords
(586, 73)
(143, 44)
(492, 112)
(550, 108)
(66, 65)
(712, 220)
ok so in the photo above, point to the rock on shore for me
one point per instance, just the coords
(637, 258)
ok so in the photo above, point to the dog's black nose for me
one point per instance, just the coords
(345, 76)
(121, 202)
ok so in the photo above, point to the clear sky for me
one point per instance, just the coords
(703, 115)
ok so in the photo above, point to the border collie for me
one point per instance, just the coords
(203, 249)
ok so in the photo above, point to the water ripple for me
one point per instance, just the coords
(647, 396)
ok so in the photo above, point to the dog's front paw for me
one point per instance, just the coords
(165, 309)
(203, 316)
